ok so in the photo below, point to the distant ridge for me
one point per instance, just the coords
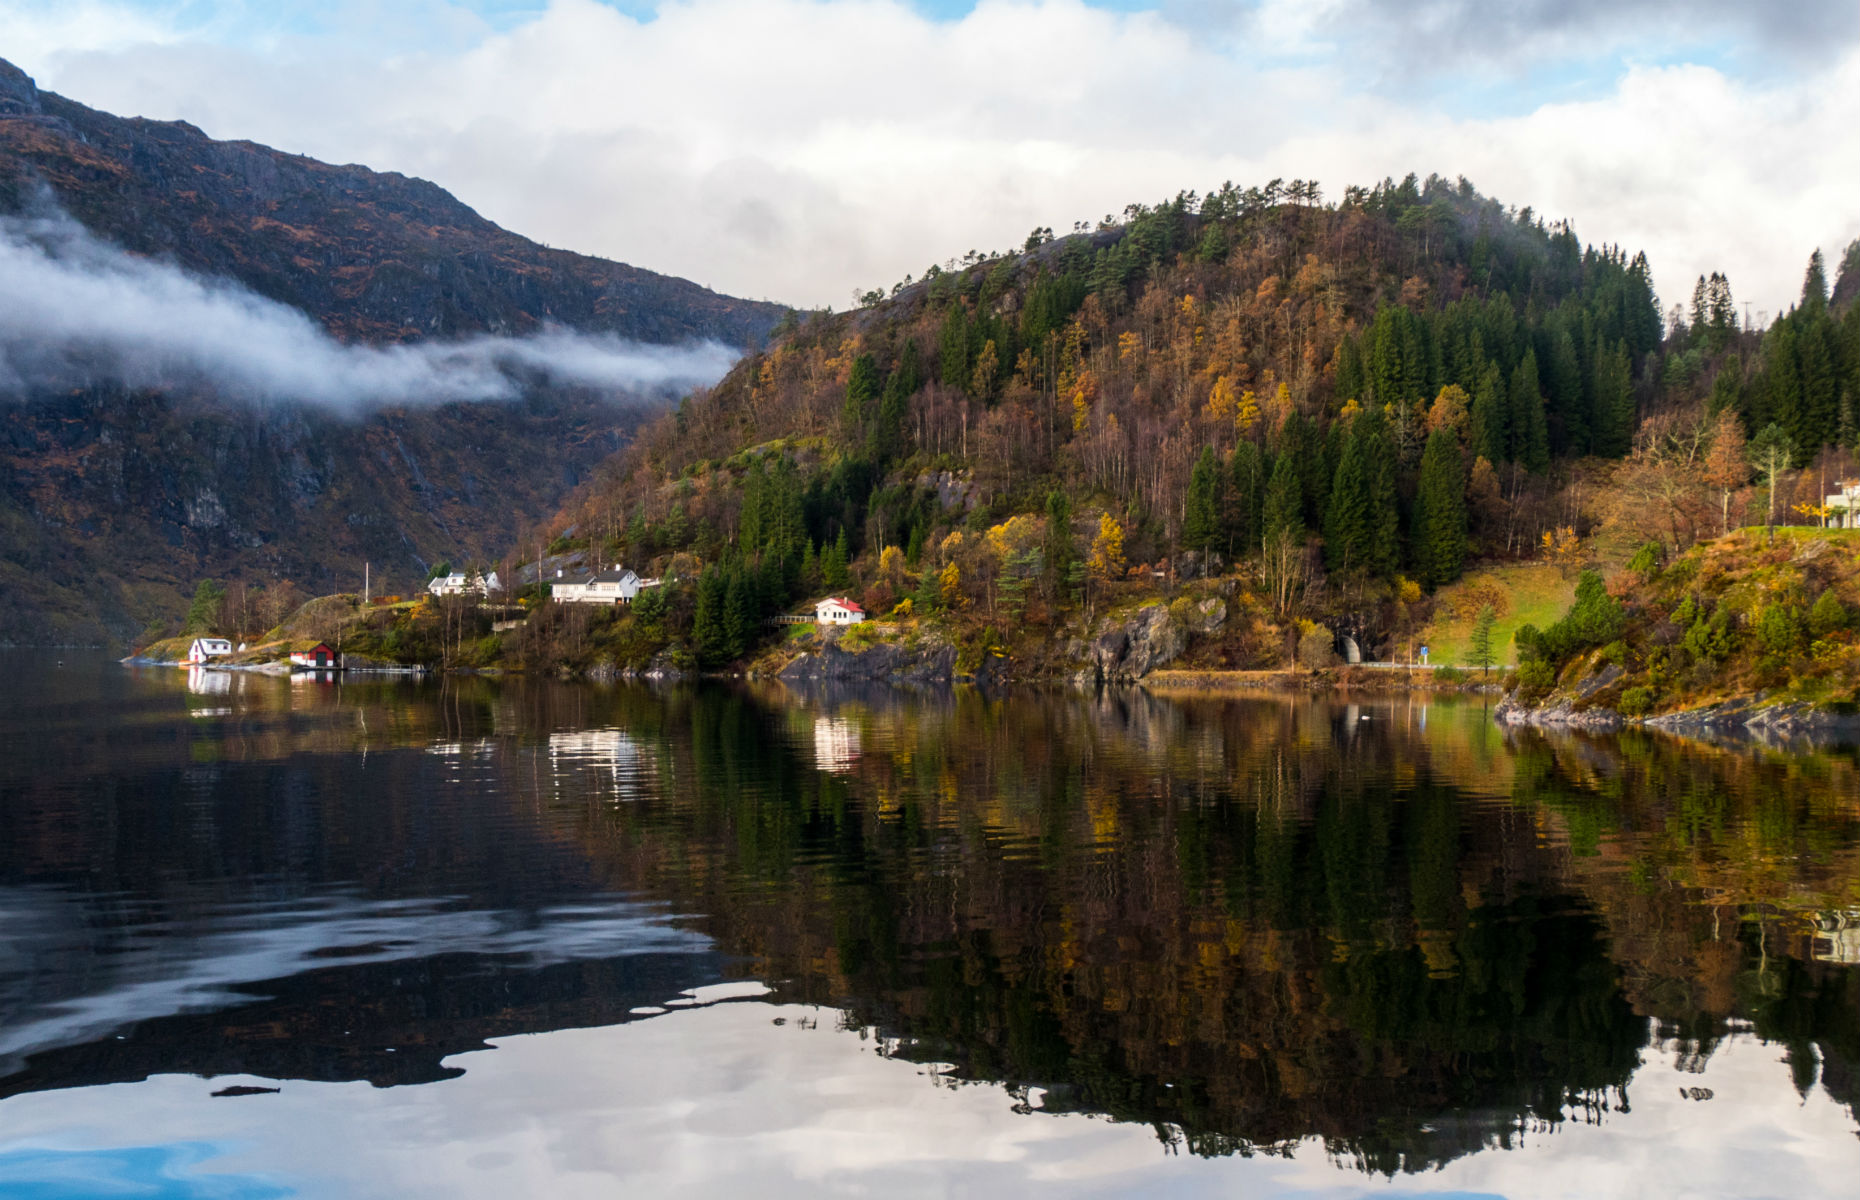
(115, 500)
(374, 256)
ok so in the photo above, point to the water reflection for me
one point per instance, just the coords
(1381, 934)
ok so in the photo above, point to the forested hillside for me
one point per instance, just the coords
(117, 496)
(1341, 401)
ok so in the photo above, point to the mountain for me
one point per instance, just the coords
(117, 493)
(1333, 407)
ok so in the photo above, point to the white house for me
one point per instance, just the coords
(204, 649)
(618, 586)
(837, 611)
(461, 583)
(1845, 505)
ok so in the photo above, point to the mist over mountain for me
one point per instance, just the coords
(217, 359)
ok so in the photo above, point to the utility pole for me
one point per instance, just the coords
(365, 582)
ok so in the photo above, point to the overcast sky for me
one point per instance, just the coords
(799, 150)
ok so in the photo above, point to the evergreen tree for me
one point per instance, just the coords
(1346, 517)
(203, 613)
(1479, 649)
(708, 636)
(1613, 390)
(892, 420)
(1815, 283)
(1440, 512)
(1245, 494)
(1490, 431)
(1529, 441)
(955, 354)
(927, 597)
(1563, 386)
(1201, 520)
(862, 389)
(1384, 512)
(1349, 369)
(739, 612)
(1284, 507)
(1059, 552)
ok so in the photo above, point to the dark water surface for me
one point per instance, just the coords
(266, 937)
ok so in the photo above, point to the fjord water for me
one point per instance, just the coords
(341, 937)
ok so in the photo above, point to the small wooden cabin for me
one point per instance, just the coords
(317, 658)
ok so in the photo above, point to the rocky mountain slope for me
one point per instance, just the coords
(115, 499)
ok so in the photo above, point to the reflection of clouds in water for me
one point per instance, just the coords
(63, 984)
(725, 1101)
(836, 744)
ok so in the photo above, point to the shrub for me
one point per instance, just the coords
(1828, 615)
(1636, 702)
(1779, 632)
(1449, 675)
(1316, 646)
(1710, 640)
(1647, 559)
(1535, 679)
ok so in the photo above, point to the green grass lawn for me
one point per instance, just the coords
(1534, 595)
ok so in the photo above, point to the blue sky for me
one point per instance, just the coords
(806, 149)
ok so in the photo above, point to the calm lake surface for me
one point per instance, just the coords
(266, 938)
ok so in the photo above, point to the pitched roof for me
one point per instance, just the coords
(616, 576)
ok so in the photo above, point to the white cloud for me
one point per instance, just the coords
(799, 150)
(74, 309)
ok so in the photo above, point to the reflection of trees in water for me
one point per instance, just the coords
(1245, 922)
(1248, 922)
(1715, 869)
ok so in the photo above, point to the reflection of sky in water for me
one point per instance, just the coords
(159, 968)
(734, 1098)
(147, 1172)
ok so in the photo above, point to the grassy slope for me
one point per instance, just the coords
(1523, 594)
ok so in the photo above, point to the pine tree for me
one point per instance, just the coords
(1479, 649)
(1440, 512)
(739, 612)
(1815, 283)
(1529, 442)
(707, 620)
(889, 426)
(835, 562)
(1490, 432)
(954, 355)
(1346, 518)
(1614, 401)
(203, 613)
(925, 599)
(1245, 492)
(1380, 459)
(1284, 508)
(1201, 520)
(1059, 553)
(862, 390)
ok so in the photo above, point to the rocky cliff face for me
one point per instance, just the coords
(114, 501)
(930, 664)
(1132, 647)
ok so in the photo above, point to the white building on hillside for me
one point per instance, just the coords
(460, 583)
(205, 649)
(1845, 506)
(837, 611)
(618, 586)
